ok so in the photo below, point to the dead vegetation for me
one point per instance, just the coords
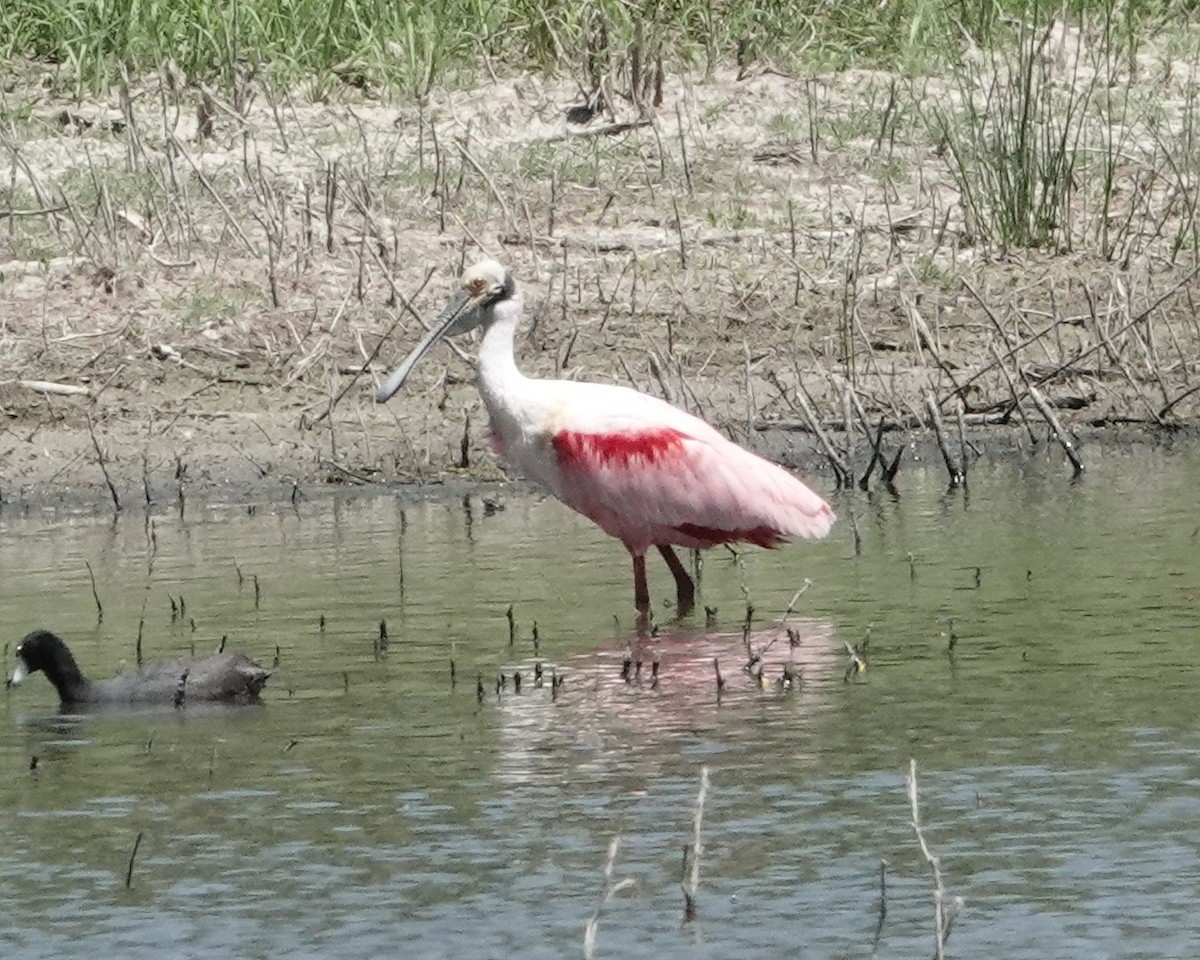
(203, 285)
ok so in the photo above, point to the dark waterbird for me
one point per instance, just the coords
(217, 678)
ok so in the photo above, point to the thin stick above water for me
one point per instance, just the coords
(103, 462)
(943, 917)
(137, 842)
(95, 595)
(607, 891)
(691, 858)
(1056, 427)
(935, 418)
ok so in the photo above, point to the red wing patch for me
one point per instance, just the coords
(592, 450)
(761, 536)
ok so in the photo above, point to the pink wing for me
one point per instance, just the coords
(690, 487)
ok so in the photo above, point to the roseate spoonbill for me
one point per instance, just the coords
(223, 677)
(642, 470)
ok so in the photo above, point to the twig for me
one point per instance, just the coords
(924, 338)
(841, 471)
(943, 918)
(607, 892)
(1056, 427)
(961, 413)
(791, 607)
(103, 466)
(876, 456)
(137, 842)
(212, 192)
(889, 475)
(687, 167)
(935, 418)
(609, 130)
(45, 211)
(466, 155)
(1012, 388)
(857, 663)
(1114, 356)
(1132, 322)
(58, 389)
(691, 881)
(95, 595)
(883, 865)
(1183, 396)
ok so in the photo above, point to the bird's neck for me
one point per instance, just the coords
(498, 373)
(64, 673)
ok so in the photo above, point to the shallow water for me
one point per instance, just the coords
(373, 808)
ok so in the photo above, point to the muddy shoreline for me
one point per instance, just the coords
(214, 476)
(209, 309)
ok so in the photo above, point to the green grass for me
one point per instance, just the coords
(1037, 151)
(411, 44)
(1013, 146)
(1041, 126)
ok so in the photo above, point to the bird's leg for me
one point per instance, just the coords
(685, 589)
(641, 592)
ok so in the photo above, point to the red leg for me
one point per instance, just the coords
(641, 592)
(685, 589)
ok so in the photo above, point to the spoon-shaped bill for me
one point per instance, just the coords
(445, 325)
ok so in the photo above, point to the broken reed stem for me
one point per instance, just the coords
(935, 419)
(883, 865)
(1056, 427)
(100, 459)
(679, 227)
(943, 918)
(464, 445)
(876, 457)
(137, 842)
(791, 607)
(691, 880)
(1183, 396)
(687, 167)
(95, 595)
(466, 155)
(607, 891)
(1012, 388)
(848, 422)
(1133, 321)
(842, 472)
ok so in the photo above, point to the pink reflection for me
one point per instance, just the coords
(612, 713)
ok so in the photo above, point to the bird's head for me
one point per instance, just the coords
(484, 284)
(37, 650)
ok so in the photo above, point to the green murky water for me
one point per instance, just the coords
(372, 808)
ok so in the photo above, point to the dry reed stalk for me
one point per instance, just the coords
(491, 184)
(944, 913)
(95, 594)
(1056, 428)
(608, 890)
(691, 854)
(799, 401)
(102, 460)
(1012, 389)
(137, 842)
(957, 477)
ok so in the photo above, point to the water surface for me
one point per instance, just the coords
(374, 808)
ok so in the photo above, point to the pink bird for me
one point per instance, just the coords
(644, 471)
